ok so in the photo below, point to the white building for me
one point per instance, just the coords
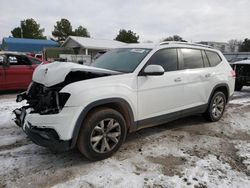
(90, 46)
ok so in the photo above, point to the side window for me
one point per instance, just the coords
(12, 60)
(192, 58)
(205, 59)
(213, 58)
(18, 60)
(167, 58)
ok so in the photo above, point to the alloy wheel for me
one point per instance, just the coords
(105, 135)
(218, 106)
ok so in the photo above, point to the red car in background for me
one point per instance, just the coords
(16, 70)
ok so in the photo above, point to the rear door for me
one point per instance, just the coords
(198, 75)
(19, 72)
(160, 95)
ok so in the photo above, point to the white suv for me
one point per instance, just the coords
(124, 90)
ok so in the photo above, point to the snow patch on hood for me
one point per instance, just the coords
(55, 73)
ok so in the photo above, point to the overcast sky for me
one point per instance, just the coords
(194, 20)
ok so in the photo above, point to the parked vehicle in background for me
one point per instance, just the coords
(242, 70)
(238, 59)
(16, 70)
(124, 90)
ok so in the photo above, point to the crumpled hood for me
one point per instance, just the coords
(55, 73)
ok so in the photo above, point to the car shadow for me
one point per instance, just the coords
(74, 157)
(179, 124)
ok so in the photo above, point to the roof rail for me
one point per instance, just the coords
(185, 43)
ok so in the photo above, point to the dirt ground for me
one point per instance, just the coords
(189, 152)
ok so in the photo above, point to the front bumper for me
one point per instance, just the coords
(46, 138)
(53, 131)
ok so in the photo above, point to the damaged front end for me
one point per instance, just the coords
(44, 100)
(44, 118)
(41, 100)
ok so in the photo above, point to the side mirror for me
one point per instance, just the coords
(153, 70)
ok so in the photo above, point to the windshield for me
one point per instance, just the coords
(121, 59)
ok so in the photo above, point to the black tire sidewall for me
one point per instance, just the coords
(212, 118)
(84, 144)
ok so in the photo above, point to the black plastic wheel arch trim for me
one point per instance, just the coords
(83, 114)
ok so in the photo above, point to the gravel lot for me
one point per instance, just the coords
(189, 152)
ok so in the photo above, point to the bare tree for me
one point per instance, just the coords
(234, 45)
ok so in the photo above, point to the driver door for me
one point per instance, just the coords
(161, 95)
(19, 72)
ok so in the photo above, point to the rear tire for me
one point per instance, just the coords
(102, 133)
(216, 107)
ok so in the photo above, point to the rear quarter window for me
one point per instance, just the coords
(213, 58)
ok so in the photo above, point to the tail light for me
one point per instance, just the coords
(232, 73)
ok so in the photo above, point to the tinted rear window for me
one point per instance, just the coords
(192, 58)
(213, 58)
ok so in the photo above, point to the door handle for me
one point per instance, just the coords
(177, 79)
(208, 75)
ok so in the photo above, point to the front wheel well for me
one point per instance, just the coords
(119, 107)
(117, 104)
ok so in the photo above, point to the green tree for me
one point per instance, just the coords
(245, 46)
(81, 32)
(29, 29)
(62, 30)
(127, 36)
(16, 32)
(174, 38)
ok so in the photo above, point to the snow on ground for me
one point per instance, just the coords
(189, 152)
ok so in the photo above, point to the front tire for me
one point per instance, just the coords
(101, 134)
(216, 107)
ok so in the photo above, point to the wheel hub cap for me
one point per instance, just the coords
(105, 135)
(218, 106)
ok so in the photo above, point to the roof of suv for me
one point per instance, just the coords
(168, 44)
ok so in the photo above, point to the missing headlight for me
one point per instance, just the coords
(63, 98)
